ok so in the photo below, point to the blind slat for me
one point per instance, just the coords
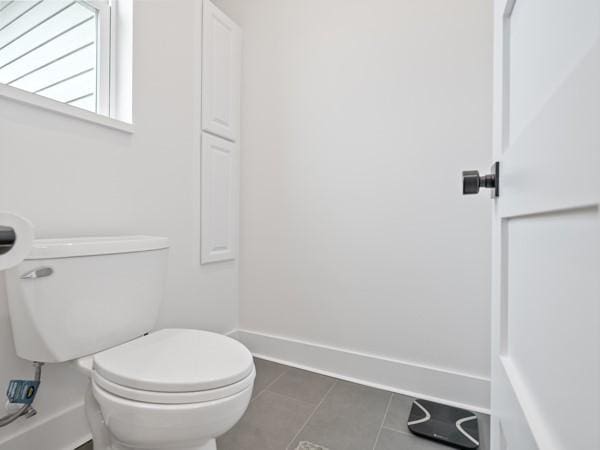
(73, 87)
(69, 20)
(4, 5)
(54, 49)
(35, 79)
(20, 32)
(76, 99)
(88, 103)
(49, 47)
(59, 82)
(15, 11)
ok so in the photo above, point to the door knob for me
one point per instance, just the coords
(472, 181)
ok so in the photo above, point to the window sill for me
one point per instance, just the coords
(48, 104)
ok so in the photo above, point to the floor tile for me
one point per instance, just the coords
(348, 419)
(397, 415)
(393, 440)
(270, 423)
(303, 385)
(266, 373)
(309, 446)
(484, 431)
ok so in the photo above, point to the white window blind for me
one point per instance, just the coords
(57, 49)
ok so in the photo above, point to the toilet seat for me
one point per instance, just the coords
(173, 398)
(175, 366)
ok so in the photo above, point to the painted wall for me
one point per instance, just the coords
(357, 119)
(73, 178)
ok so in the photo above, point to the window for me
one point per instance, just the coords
(59, 49)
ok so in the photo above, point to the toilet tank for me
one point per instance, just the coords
(74, 297)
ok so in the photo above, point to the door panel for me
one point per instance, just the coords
(553, 316)
(547, 40)
(221, 67)
(546, 232)
(552, 163)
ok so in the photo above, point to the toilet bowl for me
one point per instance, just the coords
(95, 306)
(171, 389)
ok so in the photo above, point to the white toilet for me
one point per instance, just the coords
(95, 301)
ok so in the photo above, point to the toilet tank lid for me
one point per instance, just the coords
(97, 245)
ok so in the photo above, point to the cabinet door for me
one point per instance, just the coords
(221, 72)
(219, 199)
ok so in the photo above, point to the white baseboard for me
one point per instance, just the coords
(232, 334)
(65, 430)
(416, 380)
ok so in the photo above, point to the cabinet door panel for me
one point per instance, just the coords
(221, 67)
(219, 199)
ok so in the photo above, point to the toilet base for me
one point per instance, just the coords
(102, 439)
(210, 445)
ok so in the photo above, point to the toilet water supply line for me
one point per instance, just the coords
(23, 391)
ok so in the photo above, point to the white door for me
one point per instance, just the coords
(219, 199)
(546, 234)
(221, 73)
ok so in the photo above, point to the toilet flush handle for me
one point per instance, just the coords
(40, 272)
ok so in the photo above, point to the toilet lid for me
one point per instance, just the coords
(176, 360)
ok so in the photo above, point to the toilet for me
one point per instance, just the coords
(94, 302)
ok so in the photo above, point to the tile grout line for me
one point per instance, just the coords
(277, 394)
(270, 384)
(311, 415)
(396, 431)
(387, 409)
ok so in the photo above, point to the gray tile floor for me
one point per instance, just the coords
(293, 409)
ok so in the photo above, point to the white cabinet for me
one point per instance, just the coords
(220, 192)
(221, 73)
(221, 78)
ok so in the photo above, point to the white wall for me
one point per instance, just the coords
(358, 117)
(73, 178)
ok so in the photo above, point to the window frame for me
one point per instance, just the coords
(102, 10)
(106, 72)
